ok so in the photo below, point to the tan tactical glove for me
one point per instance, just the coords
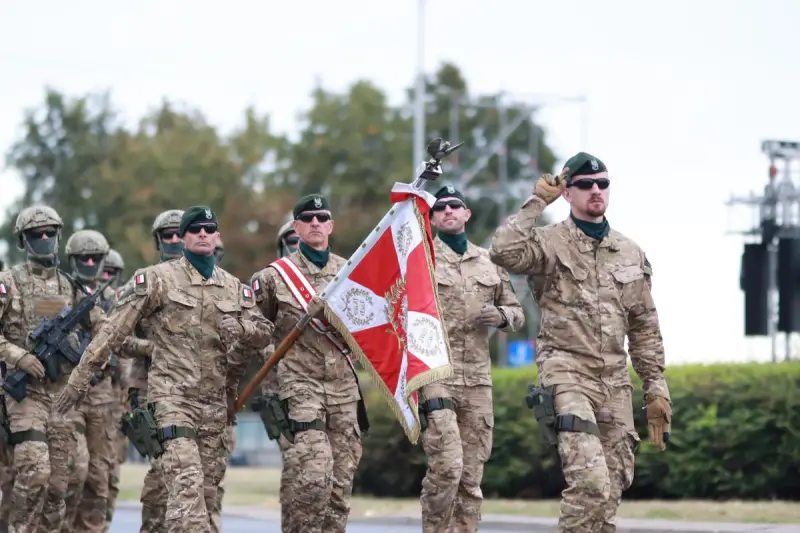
(67, 400)
(550, 187)
(659, 419)
(31, 366)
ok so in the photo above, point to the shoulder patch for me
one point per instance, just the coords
(140, 280)
(255, 284)
(3, 290)
(247, 292)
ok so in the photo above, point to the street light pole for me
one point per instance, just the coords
(419, 91)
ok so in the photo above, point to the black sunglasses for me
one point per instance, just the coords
(453, 204)
(84, 258)
(168, 234)
(195, 228)
(308, 217)
(588, 183)
(39, 233)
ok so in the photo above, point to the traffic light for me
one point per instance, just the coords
(754, 282)
(788, 286)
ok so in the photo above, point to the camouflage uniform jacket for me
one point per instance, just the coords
(191, 357)
(465, 283)
(28, 294)
(104, 392)
(591, 296)
(312, 365)
(136, 355)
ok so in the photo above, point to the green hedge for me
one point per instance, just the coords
(736, 434)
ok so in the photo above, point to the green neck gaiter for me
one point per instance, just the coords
(318, 257)
(456, 242)
(594, 230)
(203, 263)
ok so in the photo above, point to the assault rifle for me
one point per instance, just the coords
(52, 339)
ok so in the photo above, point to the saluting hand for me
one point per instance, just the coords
(549, 187)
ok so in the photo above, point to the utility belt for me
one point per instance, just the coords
(9, 439)
(139, 425)
(431, 405)
(541, 401)
(274, 414)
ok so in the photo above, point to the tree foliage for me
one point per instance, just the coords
(78, 157)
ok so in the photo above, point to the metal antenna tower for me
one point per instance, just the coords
(774, 215)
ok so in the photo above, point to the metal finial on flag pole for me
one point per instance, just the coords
(429, 170)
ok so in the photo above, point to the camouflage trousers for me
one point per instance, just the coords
(154, 499)
(6, 487)
(40, 464)
(120, 454)
(596, 470)
(457, 443)
(91, 499)
(78, 471)
(192, 468)
(229, 446)
(319, 467)
(154, 493)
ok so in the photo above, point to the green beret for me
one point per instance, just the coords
(312, 202)
(197, 213)
(583, 164)
(448, 191)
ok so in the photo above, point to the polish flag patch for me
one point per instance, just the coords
(3, 288)
(247, 292)
(256, 285)
(139, 280)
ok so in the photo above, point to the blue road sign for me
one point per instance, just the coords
(520, 353)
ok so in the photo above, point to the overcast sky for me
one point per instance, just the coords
(680, 98)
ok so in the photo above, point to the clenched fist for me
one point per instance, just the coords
(550, 187)
(231, 327)
(490, 316)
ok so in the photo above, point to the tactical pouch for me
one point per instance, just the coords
(273, 415)
(140, 427)
(540, 399)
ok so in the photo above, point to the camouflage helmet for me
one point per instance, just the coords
(114, 260)
(86, 242)
(167, 219)
(285, 230)
(35, 217)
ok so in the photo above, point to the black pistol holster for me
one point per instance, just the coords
(139, 425)
(272, 412)
(429, 406)
(541, 400)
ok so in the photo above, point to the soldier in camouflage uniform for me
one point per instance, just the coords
(317, 384)
(475, 295)
(137, 351)
(287, 242)
(202, 320)
(6, 472)
(30, 292)
(87, 501)
(114, 268)
(229, 437)
(593, 286)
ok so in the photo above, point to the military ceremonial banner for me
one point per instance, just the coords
(385, 304)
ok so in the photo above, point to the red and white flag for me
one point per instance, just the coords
(385, 305)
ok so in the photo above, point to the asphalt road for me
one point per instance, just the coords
(128, 521)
